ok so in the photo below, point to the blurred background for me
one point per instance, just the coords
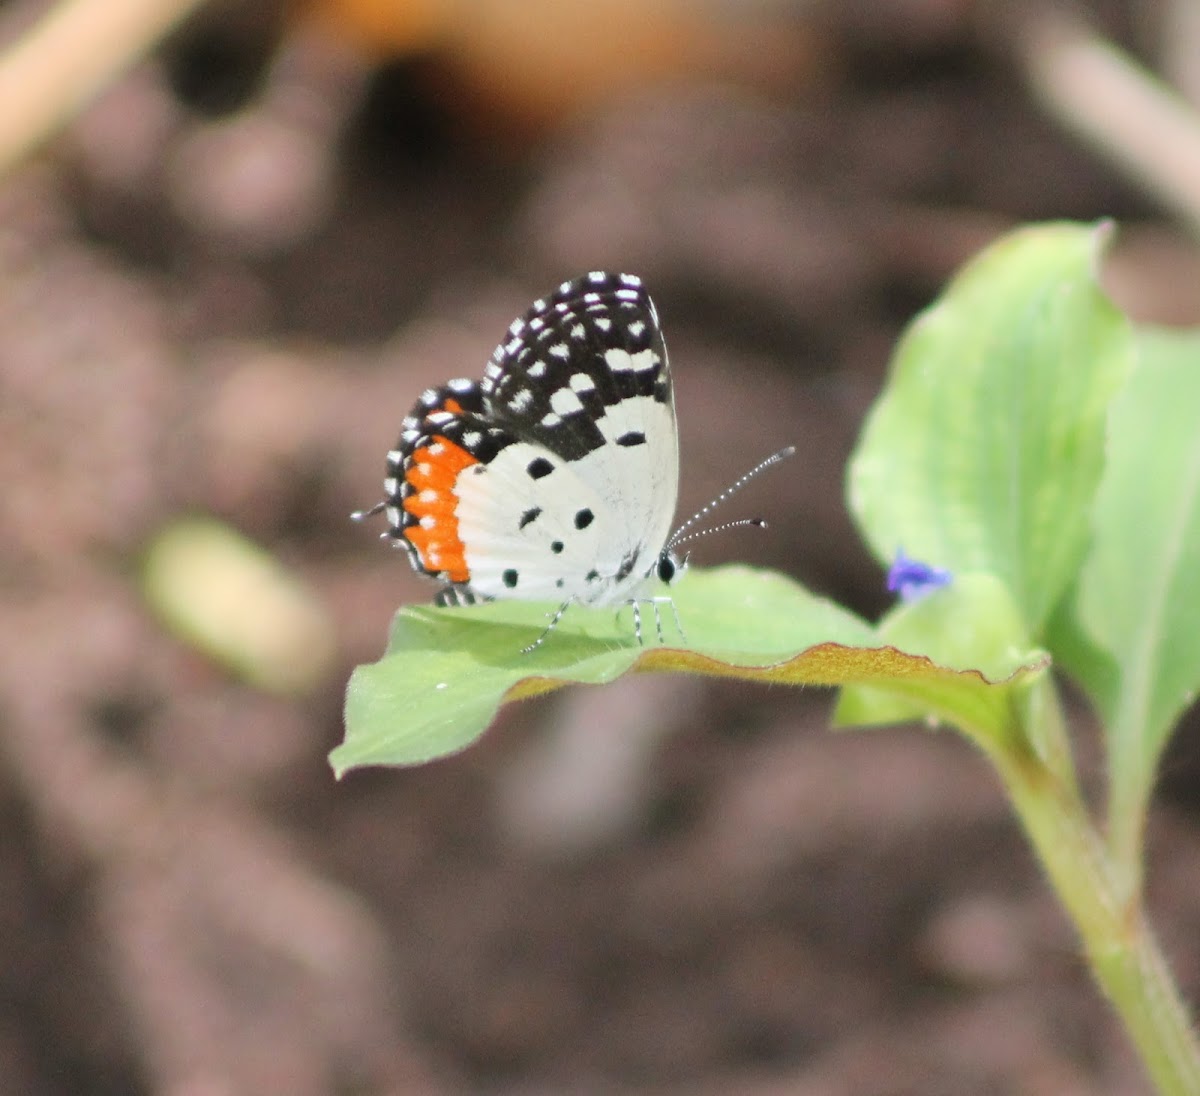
(236, 240)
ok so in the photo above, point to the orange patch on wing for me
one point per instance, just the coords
(435, 535)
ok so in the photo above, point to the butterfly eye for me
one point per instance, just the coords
(668, 568)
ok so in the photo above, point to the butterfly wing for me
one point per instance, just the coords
(481, 510)
(585, 375)
(557, 475)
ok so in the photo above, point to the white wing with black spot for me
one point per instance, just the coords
(556, 476)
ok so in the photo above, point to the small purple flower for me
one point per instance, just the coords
(912, 579)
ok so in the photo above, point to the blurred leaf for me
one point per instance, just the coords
(238, 604)
(1139, 593)
(447, 671)
(983, 453)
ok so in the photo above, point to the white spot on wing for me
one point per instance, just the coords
(560, 350)
(621, 361)
(581, 382)
(538, 369)
(551, 419)
(564, 401)
(520, 401)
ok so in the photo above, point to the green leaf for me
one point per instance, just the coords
(984, 451)
(1076, 653)
(1139, 593)
(970, 623)
(447, 671)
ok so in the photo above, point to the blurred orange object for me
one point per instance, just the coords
(535, 62)
(382, 29)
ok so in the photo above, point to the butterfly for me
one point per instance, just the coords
(555, 477)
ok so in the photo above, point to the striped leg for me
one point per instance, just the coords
(549, 627)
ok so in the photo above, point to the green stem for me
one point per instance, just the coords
(1130, 787)
(1121, 948)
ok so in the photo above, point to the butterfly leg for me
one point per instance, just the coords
(656, 602)
(678, 623)
(549, 627)
(658, 621)
(452, 596)
(637, 622)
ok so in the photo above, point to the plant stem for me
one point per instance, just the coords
(62, 62)
(1117, 106)
(1121, 948)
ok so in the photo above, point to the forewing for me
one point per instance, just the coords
(585, 375)
(592, 344)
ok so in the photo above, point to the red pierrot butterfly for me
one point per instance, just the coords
(555, 477)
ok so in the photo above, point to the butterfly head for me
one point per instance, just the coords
(670, 567)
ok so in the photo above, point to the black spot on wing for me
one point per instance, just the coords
(539, 467)
(583, 518)
(528, 516)
(632, 437)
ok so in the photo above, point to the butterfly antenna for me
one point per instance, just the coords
(758, 523)
(678, 538)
